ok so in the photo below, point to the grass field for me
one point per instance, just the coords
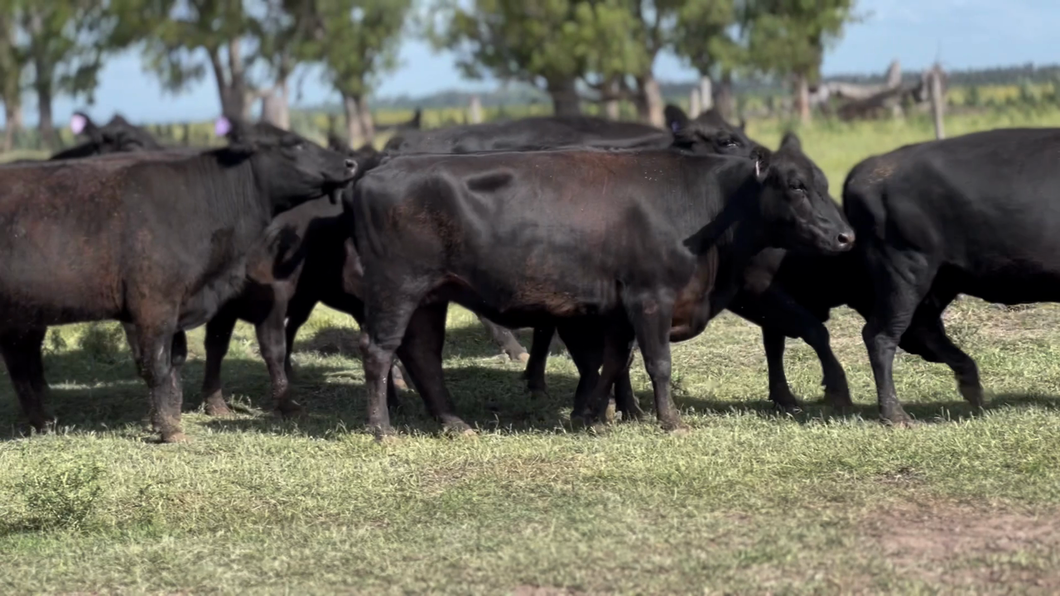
(748, 502)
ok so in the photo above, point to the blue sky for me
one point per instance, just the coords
(964, 33)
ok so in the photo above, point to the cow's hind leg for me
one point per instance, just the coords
(505, 340)
(22, 353)
(421, 352)
(625, 400)
(218, 337)
(779, 390)
(927, 338)
(585, 344)
(272, 341)
(535, 367)
(902, 280)
(384, 329)
(163, 381)
(651, 317)
(616, 354)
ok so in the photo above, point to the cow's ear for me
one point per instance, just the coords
(763, 158)
(676, 119)
(791, 142)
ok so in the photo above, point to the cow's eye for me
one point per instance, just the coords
(797, 187)
(299, 146)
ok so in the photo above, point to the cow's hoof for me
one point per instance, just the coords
(674, 426)
(838, 398)
(523, 357)
(43, 425)
(384, 434)
(289, 409)
(218, 410)
(175, 437)
(636, 415)
(973, 394)
(897, 419)
(458, 428)
(790, 409)
(581, 421)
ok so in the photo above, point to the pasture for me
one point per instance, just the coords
(748, 501)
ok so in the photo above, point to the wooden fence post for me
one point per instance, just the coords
(938, 101)
(475, 110)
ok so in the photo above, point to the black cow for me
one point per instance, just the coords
(609, 246)
(541, 132)
(707, 134)
(309, 260)
(158, 242)
(976, 215)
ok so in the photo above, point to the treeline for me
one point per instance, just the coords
(574, 52)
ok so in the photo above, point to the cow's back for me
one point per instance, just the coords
(568, 224)
(986, 206)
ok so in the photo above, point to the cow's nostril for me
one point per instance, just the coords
(846, 239)
(350, 164)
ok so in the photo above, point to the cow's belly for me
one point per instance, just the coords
(57, 294)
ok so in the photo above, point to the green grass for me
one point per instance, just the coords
(748, 502)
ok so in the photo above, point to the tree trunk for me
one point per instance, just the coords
(44, 110)
(354, 126)
(650, 101)
(724, 99)
(706, 93)
(13, 119)
(274, 107)
(611, 107)
(231, 81)
(367, 123)
(565, 100)
(802, 97)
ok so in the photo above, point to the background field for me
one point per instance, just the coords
(748, 502)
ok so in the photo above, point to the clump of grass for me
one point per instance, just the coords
(61, 493)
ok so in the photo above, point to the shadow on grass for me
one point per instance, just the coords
(90, 396)
(486, 398)
(937, 412)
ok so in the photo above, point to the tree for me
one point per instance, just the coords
(60, 47)
(284, 37)
(358, 41)
(184, 38)
(653, 25)
(789, 38)
(11, 67)
(547, 43)
(708, 34)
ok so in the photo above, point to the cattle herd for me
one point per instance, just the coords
(608, 234)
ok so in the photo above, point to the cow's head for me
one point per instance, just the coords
(709, 134)
(117, 136)
(289, 168)
(798, 211)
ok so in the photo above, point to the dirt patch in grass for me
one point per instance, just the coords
(543, 591)
(963, 546)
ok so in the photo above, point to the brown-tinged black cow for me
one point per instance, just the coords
(284, 292)
(707, 134)
(157, 242)
(608, 246)
(976, 215)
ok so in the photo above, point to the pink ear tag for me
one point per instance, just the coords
(222, 127)
(78, 123)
